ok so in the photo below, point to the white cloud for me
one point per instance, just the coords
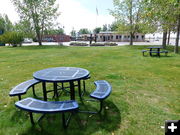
(6, 7)
(74, 15)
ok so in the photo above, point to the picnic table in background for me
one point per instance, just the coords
(155, 50)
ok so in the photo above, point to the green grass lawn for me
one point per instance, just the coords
(145, 90)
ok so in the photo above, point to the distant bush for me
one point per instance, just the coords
(78, 44)
(12, 38)
(110, 44)
(104, 44)
(97, 44)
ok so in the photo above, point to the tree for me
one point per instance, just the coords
(40, 14)
(97, 30)
(128, 14)
(25, 27)
(166, 14)
(84, 31)
(105, 27)
(73, 33)
(54, 31)
(113, 26)
(5, 23)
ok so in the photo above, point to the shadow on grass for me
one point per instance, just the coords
(80, 124)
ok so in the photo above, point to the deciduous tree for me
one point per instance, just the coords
(40, 13)
(128, 14)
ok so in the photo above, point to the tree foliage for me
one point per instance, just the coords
(39, 13)
(97, 30)
(25, 27)
(73, 33)
(166, 15)
(105, 27)
(5, 23)
(54, 31)
(84, 31)
(13, 38)
(128, 14)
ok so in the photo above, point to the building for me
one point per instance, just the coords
(56, 38)
(116, 37)
(109, 36)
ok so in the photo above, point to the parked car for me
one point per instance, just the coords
(27, 40)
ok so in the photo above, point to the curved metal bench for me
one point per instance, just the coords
(32, 105)
(102, 91)
(23, 87)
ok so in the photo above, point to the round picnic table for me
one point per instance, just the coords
(61, 75)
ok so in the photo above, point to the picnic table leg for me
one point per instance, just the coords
(79, 89)
(150, 52)
(158, 52)
(55, 89)
(31, 118)
(72, 90)
(44, 91)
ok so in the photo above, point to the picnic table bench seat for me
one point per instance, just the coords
(23, 87)
(102, 91)
(143, 52)
(32, 105)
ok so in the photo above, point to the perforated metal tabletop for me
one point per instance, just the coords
(61, 74)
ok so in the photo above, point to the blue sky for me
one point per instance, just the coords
(75, 14)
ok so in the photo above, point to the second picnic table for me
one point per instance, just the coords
(154, 49)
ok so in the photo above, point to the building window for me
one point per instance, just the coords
(137, 36)
(111, 37)
(142, 36)
(128, 36)
(116, 36)
(108, 37)
(124, 36)
(100, 36)
(120, 36)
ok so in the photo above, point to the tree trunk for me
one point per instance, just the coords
(131, 23)
(176, 50)
(131, 38)
(38, 36)
(164, 39)
(169, 36)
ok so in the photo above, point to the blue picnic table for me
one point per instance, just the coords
(60, 75)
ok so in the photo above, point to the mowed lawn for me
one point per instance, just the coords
(145, 90)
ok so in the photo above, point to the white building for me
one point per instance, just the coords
(116, 37)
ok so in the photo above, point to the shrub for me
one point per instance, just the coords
(104, 44)
(110, 44)
(78, 44)
(97, 44)
(12, 38)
